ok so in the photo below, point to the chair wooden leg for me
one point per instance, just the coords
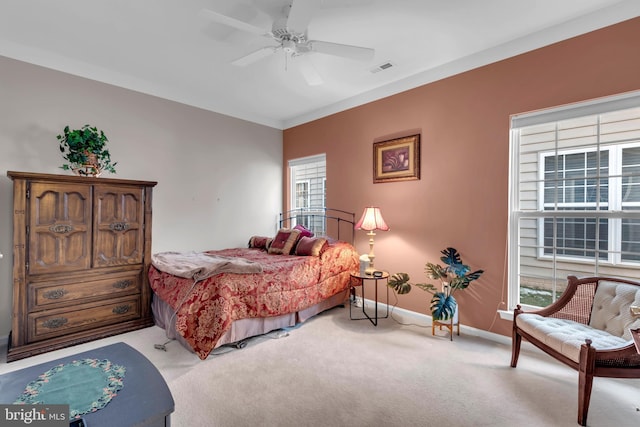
(585, 380)
(516, 338)
(516, 341)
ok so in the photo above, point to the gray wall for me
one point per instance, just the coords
(219, 178)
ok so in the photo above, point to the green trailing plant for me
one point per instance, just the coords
(85, 150)
(453, 276)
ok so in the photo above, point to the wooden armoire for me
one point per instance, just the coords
(81, 254)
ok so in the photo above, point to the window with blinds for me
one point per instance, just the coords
(308, 191)
(575, 196)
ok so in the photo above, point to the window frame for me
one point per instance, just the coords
(519, 241)
(315, 193)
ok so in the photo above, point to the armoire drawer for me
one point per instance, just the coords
(57, 322)
(47, 295)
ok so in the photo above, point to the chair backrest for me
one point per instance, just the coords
(611, 311)
(577, 300)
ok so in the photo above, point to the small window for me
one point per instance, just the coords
(308, 191)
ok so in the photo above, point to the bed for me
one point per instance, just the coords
(219, 297)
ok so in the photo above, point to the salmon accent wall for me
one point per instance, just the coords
(461, 199)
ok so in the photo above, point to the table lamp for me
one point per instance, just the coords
(371, 220)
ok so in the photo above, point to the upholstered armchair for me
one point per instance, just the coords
(589, 329)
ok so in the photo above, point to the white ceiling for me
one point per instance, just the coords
(169, 49)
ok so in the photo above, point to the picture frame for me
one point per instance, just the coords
(396, 159)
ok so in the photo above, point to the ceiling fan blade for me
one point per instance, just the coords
(232, 22)
(308, 71)
(255, 56)
(344, 50)
(300, 15)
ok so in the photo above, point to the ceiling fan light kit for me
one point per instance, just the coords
(290, 34)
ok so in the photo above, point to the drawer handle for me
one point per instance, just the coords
(122, 284)
(61, 228)
(55, 294)
(119, 226)
(121, 309)
(55, 323)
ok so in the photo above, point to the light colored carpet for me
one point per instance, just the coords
(332, 371)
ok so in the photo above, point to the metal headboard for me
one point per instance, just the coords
(329, 222)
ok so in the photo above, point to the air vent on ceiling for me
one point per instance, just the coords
(382, 67)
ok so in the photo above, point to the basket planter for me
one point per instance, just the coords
(90, 168)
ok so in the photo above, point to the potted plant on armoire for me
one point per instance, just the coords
(85, 150)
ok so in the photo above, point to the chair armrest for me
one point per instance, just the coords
(635, 333)
(624, 357)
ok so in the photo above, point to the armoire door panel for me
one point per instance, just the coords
(130, 244)
(59, 228)
(118, 225)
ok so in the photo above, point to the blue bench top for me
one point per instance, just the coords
(144, 400)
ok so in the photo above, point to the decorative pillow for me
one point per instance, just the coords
(259, 242)
(310, 246)
(284, 241)
(304, 231)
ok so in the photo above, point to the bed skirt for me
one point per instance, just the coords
(242, 329)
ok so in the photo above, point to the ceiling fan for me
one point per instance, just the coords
(289, 31)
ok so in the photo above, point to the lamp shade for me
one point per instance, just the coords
(371, 220)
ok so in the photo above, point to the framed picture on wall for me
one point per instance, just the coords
(396, 159)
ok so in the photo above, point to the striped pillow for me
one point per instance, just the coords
(310, 246)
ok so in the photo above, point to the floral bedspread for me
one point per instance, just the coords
(288, 283)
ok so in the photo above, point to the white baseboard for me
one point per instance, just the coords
(408, 316)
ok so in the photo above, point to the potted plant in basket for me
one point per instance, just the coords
(453, 276)
(85, 150)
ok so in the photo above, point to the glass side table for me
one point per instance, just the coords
(360, 280)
